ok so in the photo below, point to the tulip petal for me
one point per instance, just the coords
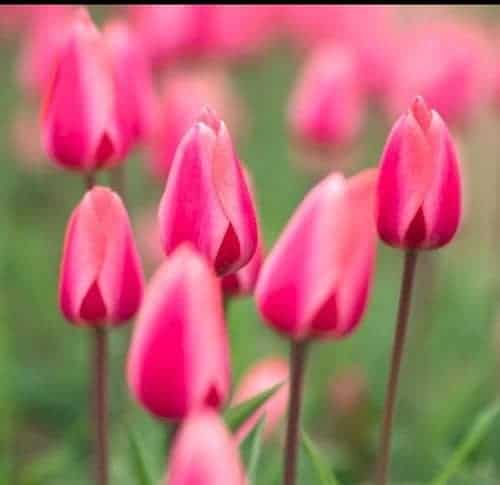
(189, 209)
(234, 196)
(204, 452)
(179, 358)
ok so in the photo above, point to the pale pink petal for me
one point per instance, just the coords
(205, 453)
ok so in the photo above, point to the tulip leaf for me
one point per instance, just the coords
(251, 448)
(324, 474)
(236, 415)
(477, 432)
(138, 464)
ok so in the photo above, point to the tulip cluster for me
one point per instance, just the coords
(316, 281)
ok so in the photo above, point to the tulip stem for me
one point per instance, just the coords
(397, 354)
(298, 354)
(101, 403)
(89, 179)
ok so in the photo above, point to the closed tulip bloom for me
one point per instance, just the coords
(316, 280)
(178, 360)
(133, 81)
(79, 123)
(419, 186)
(207, 200)
(263, 376)
(204, 453)
(101, 281)
(327, 104)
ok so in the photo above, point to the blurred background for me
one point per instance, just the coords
(258, 66)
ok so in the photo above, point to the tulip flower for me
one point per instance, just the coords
(184, 93)
(133, 81)
(419, 186)
(101, 280)
(418, 207)
(316, 280)
(264, 375)
(204, 452)
(79, 119)
(207, 200)
(178, 359)
(327, 104)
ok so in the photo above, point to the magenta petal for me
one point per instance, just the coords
(302, 269)
(204, 452)
(179, 358)
(234, 195)
(189, 209)
(79, 103)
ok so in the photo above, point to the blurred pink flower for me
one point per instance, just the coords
(79, 118)
(184, 93)
(207, 199)
(449, 64)
(148, 237)
(213, 31)
(419, 192)
(327, 104)
(101, 281)
(204, 453)
(370, 31)
(264, 375)
(178, 360)
(316, 280)
(42, 44)
(133, 81)
(25, 139)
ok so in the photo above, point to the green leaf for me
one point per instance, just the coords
(138, 465)
(251, 448)
(324, 474)
(237, 415)
(481, 425)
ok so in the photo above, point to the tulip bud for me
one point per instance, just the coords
(101, 279)
(207, 200)
(80, 129)
(419, 186)
(261, 377)
(178, 360)
(204, 452)
(315, 282)
(133, 81)
(327, 104)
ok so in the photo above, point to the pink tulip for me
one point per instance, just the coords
(101, 279)
(419, 186)
(327, 104)
(178, 360)
(207, 200)
(184, 94)
(315, 282)
(204, 453)
(148, 238)
(457, 86)
(133, 81)
(263, 376)
(80, 128)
